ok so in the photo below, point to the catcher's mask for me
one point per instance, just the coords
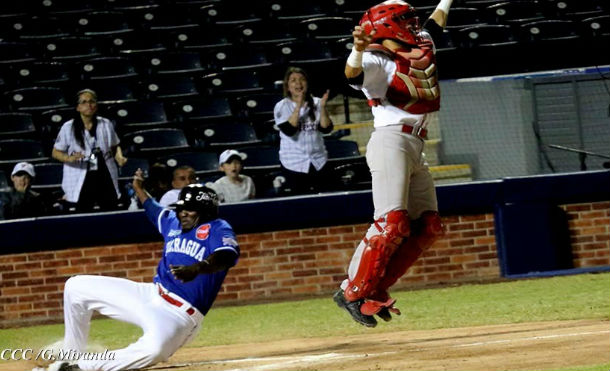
(392, 19)
(196, 197)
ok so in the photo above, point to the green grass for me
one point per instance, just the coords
(602, 367)
(584, 296)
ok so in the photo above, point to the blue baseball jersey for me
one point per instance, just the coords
(189, 248)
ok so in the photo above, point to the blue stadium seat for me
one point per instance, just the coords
(202, 162)
(4, 184)
(167, 88)
(238, 82)
(35, 99)
(106, 68)
(261, 157)
(71, 49)
(13, 151)
(327, 28)
(55, 74)
(463, 17)
(39, 28)
(514, 12)
(152, 142)
(48, 176)
(197, 111)
(173, 63)
(102, 23)
(341, 148)
(16, 52)
(486, 35)
(16, 125)
(226, 134)
(110, 91)
(127, 171)
(258, 105)
(289, 10)
(549, 30)
(138, 115)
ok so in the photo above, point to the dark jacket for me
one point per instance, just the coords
(14, 205)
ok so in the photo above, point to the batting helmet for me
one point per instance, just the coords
(392, 19)
(196, 197)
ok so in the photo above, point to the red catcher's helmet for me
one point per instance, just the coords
(392, 19)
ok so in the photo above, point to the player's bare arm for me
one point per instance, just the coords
(353, 66)
(218, 261)
(138, 186)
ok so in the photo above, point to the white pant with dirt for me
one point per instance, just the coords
(166, 327)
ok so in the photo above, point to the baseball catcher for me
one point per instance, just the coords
(393, 63)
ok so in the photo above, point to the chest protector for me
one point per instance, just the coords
(414, 87)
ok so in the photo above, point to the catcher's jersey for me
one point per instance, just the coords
(189, 248)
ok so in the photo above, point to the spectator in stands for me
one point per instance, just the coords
(301, 119)
(158, 181)
(21, 201)
(89, 148)
(234, 186)
(183, 176)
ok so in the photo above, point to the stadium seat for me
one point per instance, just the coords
(353, 8)
(35, 99)
(549, 30)
(514, 12)
(341, 148)
(102, 23)
(289, 10)
(49, 122)
(71, 49)
(202, 162)
(267, 32)
(152, 142)
(261, 157)
(193, 112)
(327, 28)
(238, 82)
(38, 28)
(135, 44)
(48, 176)
(596, 28)
(127, 171)
(463, 17)
(53, 74)
(65, 9)
(16, 52)
(14, 8)
(191, 40)
(349, 174)
(4, 182)
(258, 105)
(568, 9)
(168, 88)
(226, 134)
(174, 63)
(110, 91)
(16, 125)
(138, 115)
(243, 58)
(17, 150)
(486, 35)
(106, 68)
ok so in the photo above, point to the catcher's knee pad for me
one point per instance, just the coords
(429, 229)
(376, 254)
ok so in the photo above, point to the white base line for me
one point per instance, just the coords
(288, 361)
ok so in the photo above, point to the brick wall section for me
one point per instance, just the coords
(285, 264)
(590, 233)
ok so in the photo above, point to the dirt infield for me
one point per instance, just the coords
(524, 346)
